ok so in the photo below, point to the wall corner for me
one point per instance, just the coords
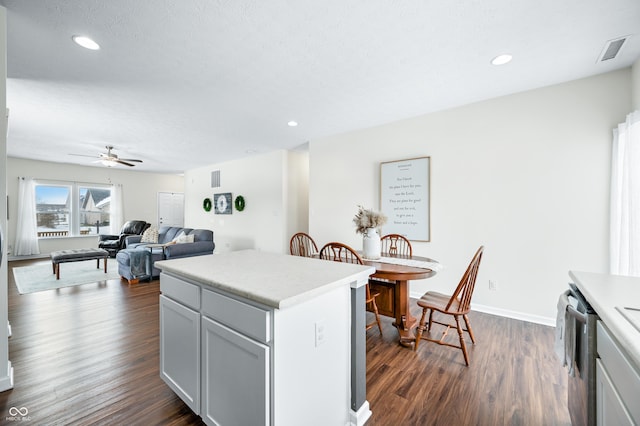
(635, 85)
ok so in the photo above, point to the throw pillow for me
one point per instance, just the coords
(182, 239)
(150, 236)
(177, 237)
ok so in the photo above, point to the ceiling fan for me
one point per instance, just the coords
(110, 159)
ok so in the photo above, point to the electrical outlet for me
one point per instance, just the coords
(320, 333)
(493, 285)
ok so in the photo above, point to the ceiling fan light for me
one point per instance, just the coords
(108, 163)
(85, 42)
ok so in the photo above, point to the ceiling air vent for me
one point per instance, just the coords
(612, 48)
(215, 179)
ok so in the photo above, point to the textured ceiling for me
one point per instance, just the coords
(183, 84)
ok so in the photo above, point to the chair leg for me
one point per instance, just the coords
(463, 346)
(466, 322)
(375, 311)
(420, 329)
(377, 322)
(430, 319)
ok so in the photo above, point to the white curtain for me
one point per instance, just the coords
(26, 224)
(625, 198)
(116, 209)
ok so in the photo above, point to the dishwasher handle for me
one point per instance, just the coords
(574, 313)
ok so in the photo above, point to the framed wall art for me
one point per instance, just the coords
(222, 203)
(405, 197)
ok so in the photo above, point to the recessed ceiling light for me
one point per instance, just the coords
(292, 123)
(502, 59)
(85, 42)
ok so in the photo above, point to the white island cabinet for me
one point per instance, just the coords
(252, 338)
(180, 350)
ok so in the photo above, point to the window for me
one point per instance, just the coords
(72, 209)
(93, 209)
(52, 210)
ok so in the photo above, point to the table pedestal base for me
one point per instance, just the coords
(406, 329)
(391, 281)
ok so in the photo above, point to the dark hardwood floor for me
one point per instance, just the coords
(514, 377)
(89, 355)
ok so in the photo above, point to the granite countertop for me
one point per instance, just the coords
(607, 294)
(275, 280)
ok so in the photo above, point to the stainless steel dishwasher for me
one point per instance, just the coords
(581, 393)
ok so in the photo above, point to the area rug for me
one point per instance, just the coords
(40, 277)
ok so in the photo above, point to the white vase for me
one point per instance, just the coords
(371, 244)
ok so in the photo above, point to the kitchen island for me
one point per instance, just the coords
(616, 300)
(258, 338)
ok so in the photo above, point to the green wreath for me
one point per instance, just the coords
(206, 204)
(239, 203)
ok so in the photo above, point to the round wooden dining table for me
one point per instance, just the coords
(393, 300)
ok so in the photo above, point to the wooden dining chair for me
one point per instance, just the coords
(456, 305)
(302, 244)
(396, 244)
(339, 252)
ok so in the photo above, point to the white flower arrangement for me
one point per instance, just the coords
(368, 219)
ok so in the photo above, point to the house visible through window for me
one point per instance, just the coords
(94, 210)
(72, 209)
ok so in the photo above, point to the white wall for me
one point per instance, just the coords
(139, 193)
(263, 181)
(526, 175)
(635, 70)
(6, 374)
(297, 193)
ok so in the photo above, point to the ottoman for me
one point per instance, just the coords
(77, 255)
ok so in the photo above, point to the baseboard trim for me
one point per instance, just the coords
(6, 382)
(522, 316)
(11, 257)
(537, 319)
(360, 417)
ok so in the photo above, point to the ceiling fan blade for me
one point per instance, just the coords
(82, 155)
(104, 157)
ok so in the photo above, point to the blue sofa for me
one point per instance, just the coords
(202, 244)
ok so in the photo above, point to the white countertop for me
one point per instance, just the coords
(276, 280)
(606, 292)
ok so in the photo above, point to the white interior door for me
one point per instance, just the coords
(170, 209)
